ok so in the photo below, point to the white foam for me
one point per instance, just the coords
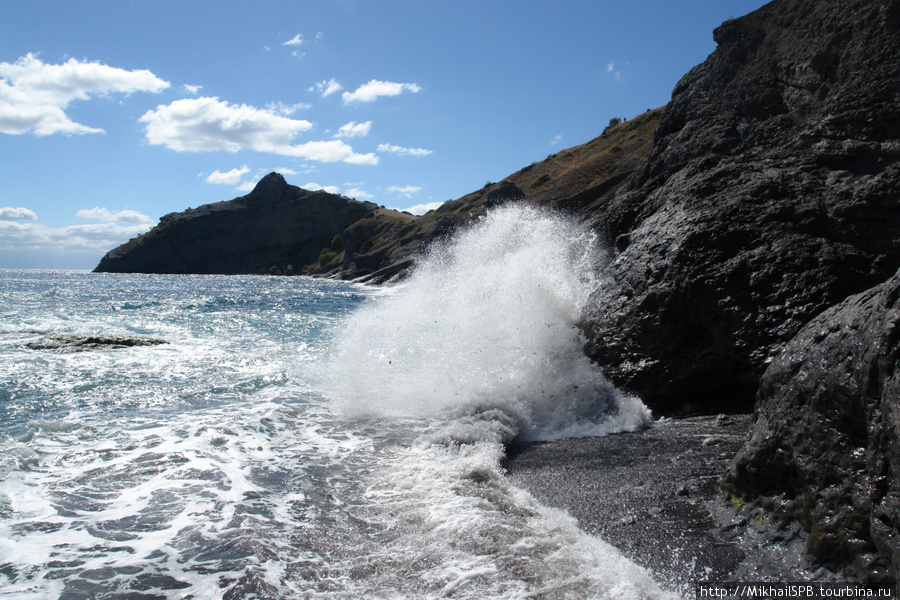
(449, 523)
(487, 320)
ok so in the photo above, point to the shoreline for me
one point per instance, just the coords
(655, 495)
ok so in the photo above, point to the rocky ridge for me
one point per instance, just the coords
(282, 229)
(277, 228)
(573, 181)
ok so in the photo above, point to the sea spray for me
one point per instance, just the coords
(487, 320)
(477, 347)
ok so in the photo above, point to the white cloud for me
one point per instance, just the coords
(403, 151)
(329, 151)
(247, 186)
(354, 129)
(208, 124)
(34, 95)
(611, 68)
(406, 191)
(103, 214)
(232, 177)
(331, 189)
(192, 89)
(287, 110)
(372, 90)
(326, 88)
(9, 213)
(556, 140)
(297, 40)
(421, 209)
(357, 193)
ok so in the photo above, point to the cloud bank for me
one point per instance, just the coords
(75, 246)
(326, 88)
(107, 216)
(406, 191)
(232, 177)
(34, 95)
(354, 129)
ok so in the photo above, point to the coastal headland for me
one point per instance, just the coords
(753, 226)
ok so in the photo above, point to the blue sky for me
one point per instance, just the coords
(115, 113)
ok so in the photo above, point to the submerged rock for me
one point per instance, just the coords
(825, 448)
(79, 343)
(769, 195)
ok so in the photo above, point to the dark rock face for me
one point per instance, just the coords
(825, 448)
(770, 194)
(276, 228)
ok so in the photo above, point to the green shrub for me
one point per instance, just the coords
(541, 180)
(326, 255)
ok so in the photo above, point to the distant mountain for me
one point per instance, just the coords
(276, 228)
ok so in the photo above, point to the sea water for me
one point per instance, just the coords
(305, 438)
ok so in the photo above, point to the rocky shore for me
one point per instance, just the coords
(656, 496)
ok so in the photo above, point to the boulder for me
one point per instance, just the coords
(825, 446)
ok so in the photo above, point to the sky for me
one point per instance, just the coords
(114, 113)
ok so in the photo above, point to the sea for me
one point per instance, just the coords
(292, 437)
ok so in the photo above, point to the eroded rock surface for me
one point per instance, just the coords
(825, 447)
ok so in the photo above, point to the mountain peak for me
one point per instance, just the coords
(272, 185)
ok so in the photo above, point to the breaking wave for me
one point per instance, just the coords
(487, 322)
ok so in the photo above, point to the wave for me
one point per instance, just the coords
(487, 321)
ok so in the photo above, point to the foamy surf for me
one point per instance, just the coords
(219, 466)
(478, 347)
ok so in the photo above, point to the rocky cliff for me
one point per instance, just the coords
(770, 194)
(276, 228)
